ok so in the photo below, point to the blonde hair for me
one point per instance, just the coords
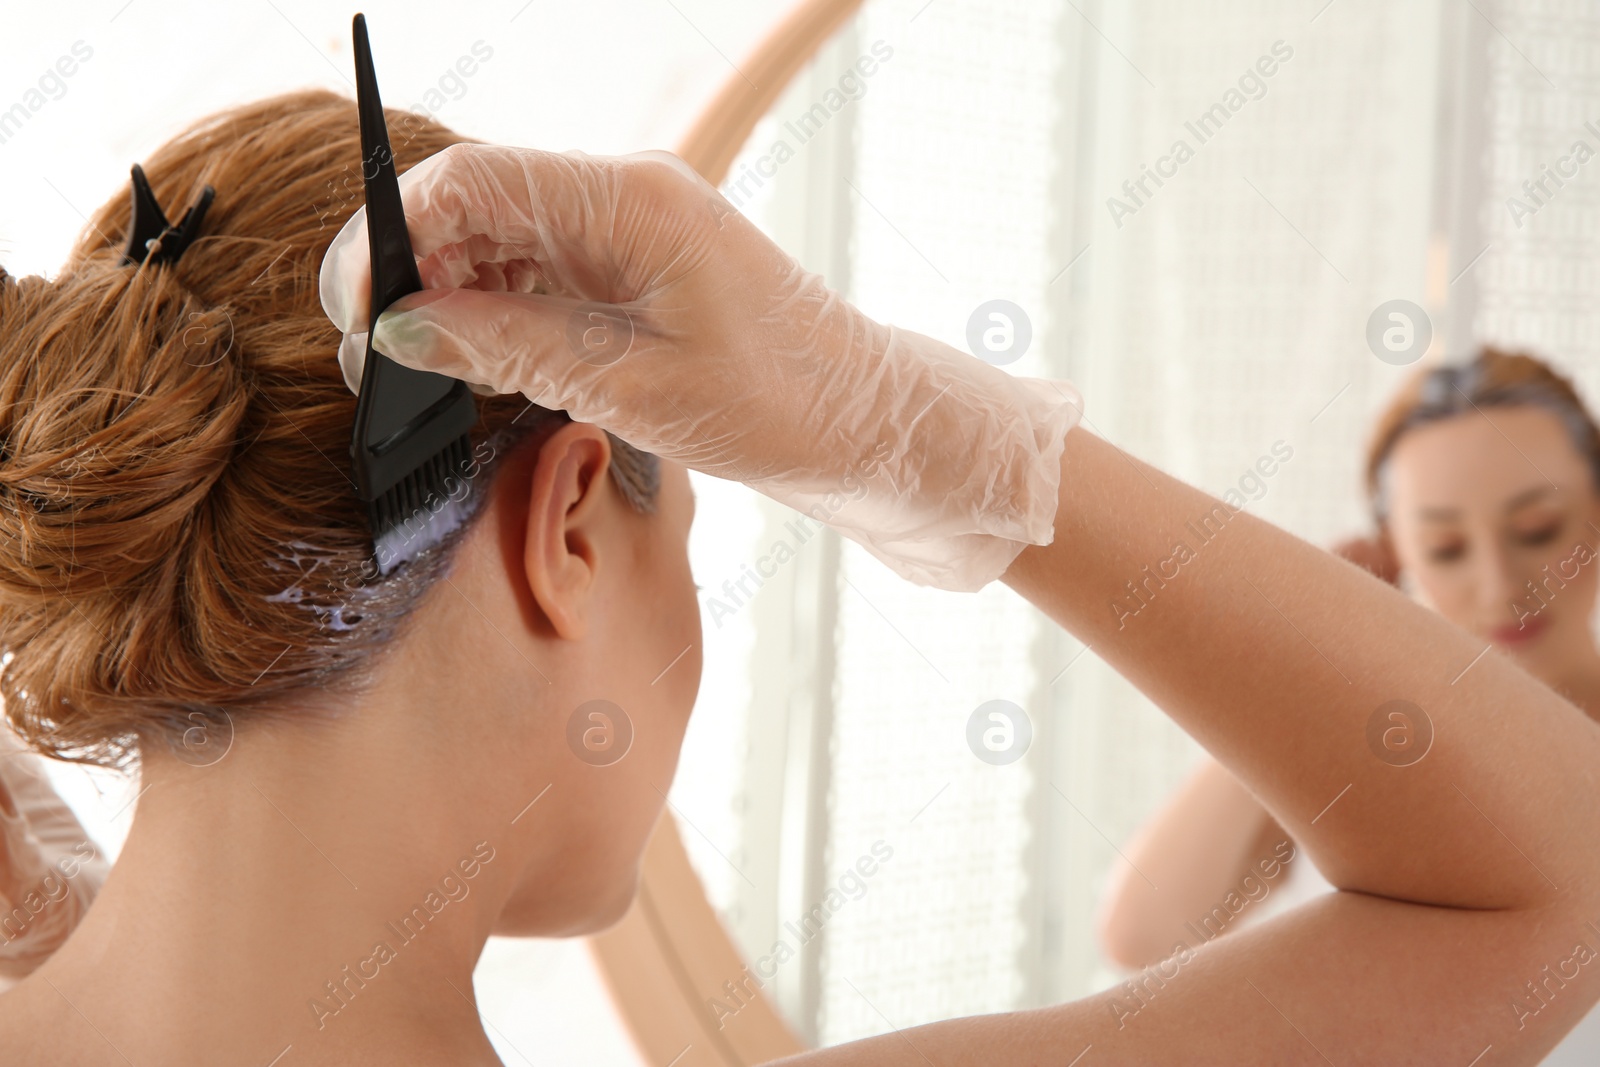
(179, 536)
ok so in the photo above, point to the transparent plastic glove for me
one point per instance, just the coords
(50, 871)
(629, 293)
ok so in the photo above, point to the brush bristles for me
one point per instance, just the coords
(423, 508)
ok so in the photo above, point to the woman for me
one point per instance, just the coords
(408, 769)
(1484, 482)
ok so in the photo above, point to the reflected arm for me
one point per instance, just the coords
(1201, 844)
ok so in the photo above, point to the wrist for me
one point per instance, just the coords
(973, 466)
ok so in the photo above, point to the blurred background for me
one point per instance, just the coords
(943, 162)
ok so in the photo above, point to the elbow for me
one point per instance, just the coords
(1125, 937)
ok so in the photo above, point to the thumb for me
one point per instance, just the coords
(544, 347)
(353, 361)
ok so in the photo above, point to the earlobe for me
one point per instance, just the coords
(561, 555)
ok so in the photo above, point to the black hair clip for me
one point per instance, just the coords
(150, 224)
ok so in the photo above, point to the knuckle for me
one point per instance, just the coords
(665, 175)
(454, 154)
(658, 188)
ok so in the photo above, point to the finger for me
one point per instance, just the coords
(536, 345)
(353, 360)
(8, 804)
(21, 864)
(671, 159)
(508, 205)
(344, 282)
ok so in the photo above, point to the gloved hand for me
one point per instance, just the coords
(629, 293)
(49, 869)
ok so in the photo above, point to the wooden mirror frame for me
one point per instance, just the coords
(670, 955)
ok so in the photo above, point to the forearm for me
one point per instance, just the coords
(1275, 655)
(1182, 863)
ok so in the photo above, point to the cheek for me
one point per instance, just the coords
(1587, 580)
(674, 633)
(1447, 588)
(1414, 563)
(1573, 578)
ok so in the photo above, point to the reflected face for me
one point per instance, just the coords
(1496, 522)
(637, 672)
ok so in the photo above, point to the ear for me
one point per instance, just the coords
(561, 554)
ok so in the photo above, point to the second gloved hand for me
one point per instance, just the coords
(629, 293)
(50, 871)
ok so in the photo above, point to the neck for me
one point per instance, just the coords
(319, 886)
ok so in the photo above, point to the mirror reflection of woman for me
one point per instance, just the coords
(1484, 481)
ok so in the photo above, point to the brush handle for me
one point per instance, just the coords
(406, 420)
(394, 267)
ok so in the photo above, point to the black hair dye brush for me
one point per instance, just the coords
(411, 439)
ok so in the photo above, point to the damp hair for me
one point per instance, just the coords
(1492, 378)
(182, 545)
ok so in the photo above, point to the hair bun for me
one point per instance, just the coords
(119, 409)
(179, 533)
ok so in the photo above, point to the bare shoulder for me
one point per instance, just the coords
(39, 1026)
